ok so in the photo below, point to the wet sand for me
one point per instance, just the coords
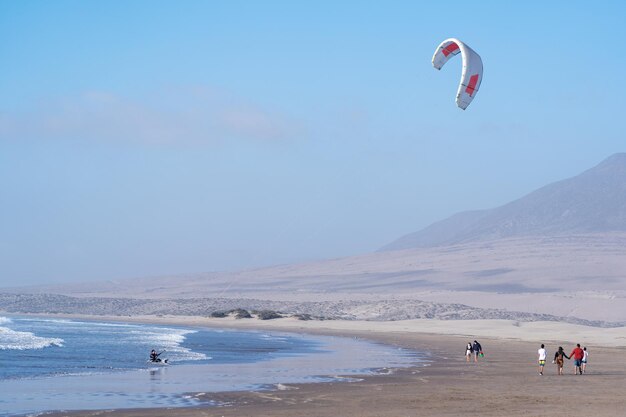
(505, 383)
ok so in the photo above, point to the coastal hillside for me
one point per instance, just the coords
(592, 202)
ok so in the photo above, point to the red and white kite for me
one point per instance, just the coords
(472, 74)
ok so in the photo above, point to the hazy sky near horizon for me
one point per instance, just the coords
(147, 138)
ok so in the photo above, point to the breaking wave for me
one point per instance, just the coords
(16, 340)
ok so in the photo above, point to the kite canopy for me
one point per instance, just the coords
(472, 73)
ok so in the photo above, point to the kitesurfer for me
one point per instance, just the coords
(154, 356)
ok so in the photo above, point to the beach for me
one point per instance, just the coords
(505, 382)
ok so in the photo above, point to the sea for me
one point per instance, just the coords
(50, 364)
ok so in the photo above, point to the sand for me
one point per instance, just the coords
(505, 383)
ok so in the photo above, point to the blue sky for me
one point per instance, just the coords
(147, 138)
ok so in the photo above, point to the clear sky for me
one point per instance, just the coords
(144, 138)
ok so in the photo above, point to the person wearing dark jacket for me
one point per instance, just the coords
(154, 356)
(478, 350)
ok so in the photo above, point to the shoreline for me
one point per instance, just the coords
(506, 382)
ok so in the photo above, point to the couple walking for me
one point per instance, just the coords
(474, 348)
(578, 355)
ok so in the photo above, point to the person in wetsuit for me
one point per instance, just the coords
(154, 356)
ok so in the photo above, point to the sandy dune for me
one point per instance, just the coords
(580, 276)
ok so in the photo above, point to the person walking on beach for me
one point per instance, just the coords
(468, 352)
(558, 359)
(542, 358)
(586, 355)
(578, 354)
(478, 350)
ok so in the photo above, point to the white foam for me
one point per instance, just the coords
(273, 337)
(283, 387)
(161, 338)
(169, 340)
(13, 340)
(83, 323)
(5, 320)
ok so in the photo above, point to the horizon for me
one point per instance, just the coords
(152, 139)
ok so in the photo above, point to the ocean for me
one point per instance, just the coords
(62, 364)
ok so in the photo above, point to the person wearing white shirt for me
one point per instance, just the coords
(542, 358)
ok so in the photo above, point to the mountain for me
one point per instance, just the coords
(592, 202)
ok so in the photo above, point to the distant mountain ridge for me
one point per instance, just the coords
(592, 202)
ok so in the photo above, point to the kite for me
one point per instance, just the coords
(472, 73)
